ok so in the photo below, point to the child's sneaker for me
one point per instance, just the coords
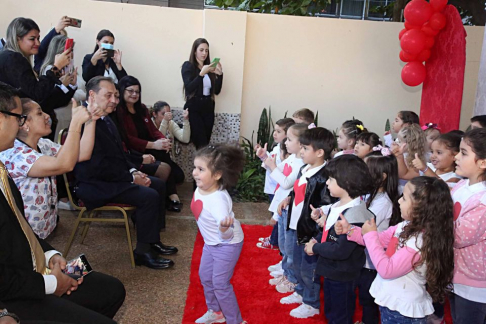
(277, 280)
(275, 267)
(295, 298)
(304, 311)
(285, 286)
(211, 317)
(277, 273)
(266, 245)
(264, 239)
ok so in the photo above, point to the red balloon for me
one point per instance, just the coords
(429, 31)
(437, 21)
(424, 55)
(403, 31)
(413, 41)
(409, 26)
(438, 5)
(429, 42)
(406, 57)
(418, 12)
(413, 74)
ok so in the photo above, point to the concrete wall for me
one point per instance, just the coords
(341, 68)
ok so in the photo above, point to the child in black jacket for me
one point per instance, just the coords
(340, 261)
(309, 189)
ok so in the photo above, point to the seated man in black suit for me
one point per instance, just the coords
(108, 177)
(32, 284)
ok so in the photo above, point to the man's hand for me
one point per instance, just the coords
(57, 259)
(141, 179)
(65, 284)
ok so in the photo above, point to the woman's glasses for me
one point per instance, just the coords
(21, 118)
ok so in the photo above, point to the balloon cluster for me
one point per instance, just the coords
(423, 21)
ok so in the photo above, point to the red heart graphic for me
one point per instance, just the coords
(392, 246)
(457, 210)
(286, 172)
(196, 207)
(299, 192)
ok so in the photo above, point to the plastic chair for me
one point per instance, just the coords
(69, 178)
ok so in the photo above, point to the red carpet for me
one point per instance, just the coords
(258, 301)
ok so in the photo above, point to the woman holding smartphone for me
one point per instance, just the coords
(202, 81)
(104, 61)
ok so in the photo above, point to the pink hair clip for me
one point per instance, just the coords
(385, 151)
(311, 126)
(430, 125)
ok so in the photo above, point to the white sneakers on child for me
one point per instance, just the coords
(211, 317)
(285, 286)
(304, 311)
(277, 273)
(277, 280)
(275, 267)
(295, 298)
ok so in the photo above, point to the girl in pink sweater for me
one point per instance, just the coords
(468, 302)
(416, 267)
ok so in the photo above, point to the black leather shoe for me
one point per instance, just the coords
(164, 249)
(152, 260)
(174, 205)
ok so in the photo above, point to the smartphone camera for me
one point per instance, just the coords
(110, 50)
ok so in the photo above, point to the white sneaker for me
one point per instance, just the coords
(277, 280)
(64, 205)
(295, 298)
(285, 286)
(304, 311)
(277, 273)
(275, 267)
(211, 317)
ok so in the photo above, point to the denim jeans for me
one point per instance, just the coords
(339, 301)
(371, 314)
(393, 317)
(309, 284)
(466, 311)
(289, 238)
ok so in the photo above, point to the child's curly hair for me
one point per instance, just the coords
(414, 136)
(226, 159)
(432, 215)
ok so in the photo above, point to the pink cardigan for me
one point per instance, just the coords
(470, 241)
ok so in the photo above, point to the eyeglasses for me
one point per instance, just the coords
(20, 118)
(133, 92)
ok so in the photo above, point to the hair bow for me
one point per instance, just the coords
(311, 126)
(430, 125)
(360, 127)
(385, 151)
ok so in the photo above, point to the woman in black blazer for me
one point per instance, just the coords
(201, 83)
(99, 64)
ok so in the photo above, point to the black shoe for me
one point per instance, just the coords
(164, 249)
(151, 260)
(174, 205)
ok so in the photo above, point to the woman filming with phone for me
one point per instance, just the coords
(203, 80)
(105, 60)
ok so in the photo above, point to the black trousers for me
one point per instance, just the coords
(371, 313)
(150, 213)
(201, 119)
(96, 300)
(176, 174)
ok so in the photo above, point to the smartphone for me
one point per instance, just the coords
(78, 267)
(75, 22)
(215, 62)
(69, 44)
(109, 49)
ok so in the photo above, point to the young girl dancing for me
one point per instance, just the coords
(419, 252)
(468, 303)
(216, 168)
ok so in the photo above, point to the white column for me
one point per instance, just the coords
(480, 107)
